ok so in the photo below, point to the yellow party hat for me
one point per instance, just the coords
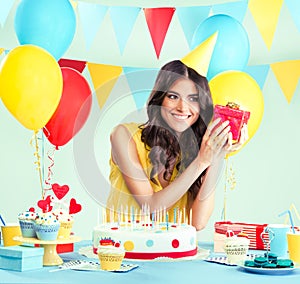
(199, 58)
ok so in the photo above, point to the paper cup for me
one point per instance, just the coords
(279, 244)
(294, 246)
(9, 231)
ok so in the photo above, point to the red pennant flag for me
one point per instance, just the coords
(75, 64)
(158, 21)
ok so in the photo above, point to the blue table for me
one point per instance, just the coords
(183, 272)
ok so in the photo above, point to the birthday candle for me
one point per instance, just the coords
(179, 217)
(191, 216)
(175, 217)
(184, 215)
(167, 220)
(104, 216)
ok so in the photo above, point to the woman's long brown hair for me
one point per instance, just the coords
(165, 148)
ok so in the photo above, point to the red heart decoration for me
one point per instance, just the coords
(74, 207)
(60, 191)
(45, 204)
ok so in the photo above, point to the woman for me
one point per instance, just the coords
(174, 159)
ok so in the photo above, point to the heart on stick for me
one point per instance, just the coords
(74, 206)
(45, 204)
(60, 191)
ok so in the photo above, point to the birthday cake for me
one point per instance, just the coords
(149, 240)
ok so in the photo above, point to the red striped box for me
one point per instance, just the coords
(253, 232)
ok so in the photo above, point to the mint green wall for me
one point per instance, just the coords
(266, 170)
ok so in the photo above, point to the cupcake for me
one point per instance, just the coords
(46, 226)
(236, 247)
(66, 223)
(26, 220)
(110, 254)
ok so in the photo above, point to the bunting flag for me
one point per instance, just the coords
(266, 14)
(259, 73)
(190, 18)
(91, 16)
(1, 50)
(199, 58)
(123, 20)
(74, 4)
(75, 64)
(294, 9)
(104, 78)
(158, 21)
(287, 74)
(5, 7)
(141, 82)
(236, 10)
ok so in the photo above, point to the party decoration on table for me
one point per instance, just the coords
(92, 266)
(242, 89)
(50, 24)
(232, 49)
(30, 85)
(200, 57)
(253, 231)
(73, 109)
(45, 204)
(236, 247)
(221, 259)
(74, 206)
(60, 191)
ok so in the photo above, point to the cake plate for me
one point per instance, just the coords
(50, 257)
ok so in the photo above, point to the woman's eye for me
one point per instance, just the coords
(194, 98)
(172, 96)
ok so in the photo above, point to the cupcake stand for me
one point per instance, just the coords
(50, 258)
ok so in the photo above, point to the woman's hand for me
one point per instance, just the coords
(216, 141)
(231, 147)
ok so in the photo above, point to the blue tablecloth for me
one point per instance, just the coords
(184, 272)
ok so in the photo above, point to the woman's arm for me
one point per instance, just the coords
(203, 204)
(124, 154)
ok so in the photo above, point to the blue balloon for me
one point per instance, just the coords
(49, 24)
(232, 47)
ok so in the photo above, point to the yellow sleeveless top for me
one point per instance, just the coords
(120, 196)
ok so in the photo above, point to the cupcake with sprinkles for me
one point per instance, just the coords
(46, 226)
(26, 221)
(110, 254)
(66, 223)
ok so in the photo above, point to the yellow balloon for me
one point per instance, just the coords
(30, 85)
(239, 87)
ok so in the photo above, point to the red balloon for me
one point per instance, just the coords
(73, 109)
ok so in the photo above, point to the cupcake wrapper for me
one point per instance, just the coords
(110, 261)
(27, 229)
(46, 232)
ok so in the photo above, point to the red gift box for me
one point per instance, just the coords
(236, 117)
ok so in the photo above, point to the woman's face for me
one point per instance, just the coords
(180, 107)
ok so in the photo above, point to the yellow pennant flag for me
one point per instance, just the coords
(287, 74)
(199, 58)
(266, 14)
(104, 78)
(1, 50)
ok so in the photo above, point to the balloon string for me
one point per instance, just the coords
(38, 158)
(50, 155)
(225, 189)
(229, 180)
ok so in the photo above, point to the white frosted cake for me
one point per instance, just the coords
(150, 241)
